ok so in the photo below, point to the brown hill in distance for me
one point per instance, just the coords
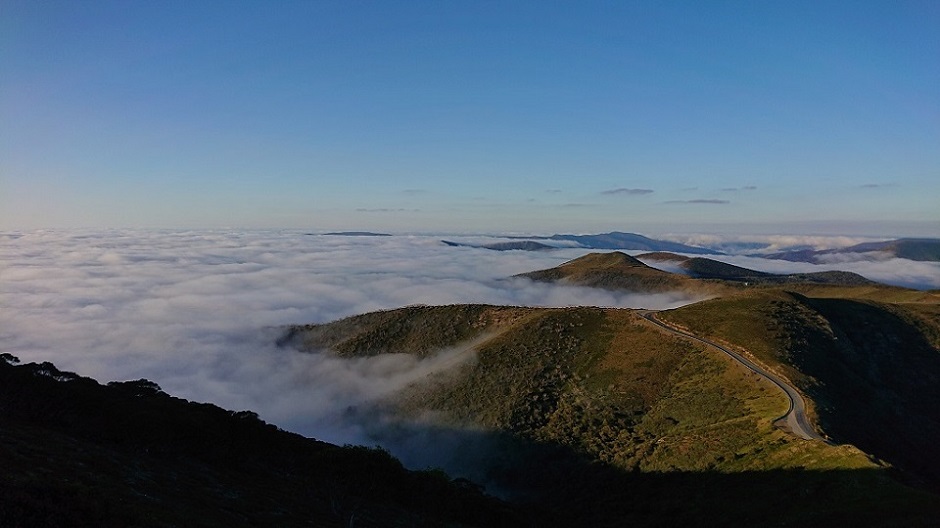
(706, 268)
(619, 271)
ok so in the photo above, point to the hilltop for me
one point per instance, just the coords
(619, 271)
(703, 277)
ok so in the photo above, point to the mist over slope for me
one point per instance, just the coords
(198, 311)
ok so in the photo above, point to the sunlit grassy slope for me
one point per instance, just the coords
(576, 390)
(602, 381)
(871, 368)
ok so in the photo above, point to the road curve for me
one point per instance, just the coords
(794, 420)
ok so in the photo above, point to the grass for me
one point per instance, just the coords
(871, 369)
(602, 382)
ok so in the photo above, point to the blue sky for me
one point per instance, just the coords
(778, 117)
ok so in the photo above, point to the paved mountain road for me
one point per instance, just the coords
(794, 420)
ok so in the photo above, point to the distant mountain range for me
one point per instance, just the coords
(357, 233)
(515, 245)
(612, 240)
(922, 249)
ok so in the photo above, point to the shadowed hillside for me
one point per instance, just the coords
(872, 369)
(76, 453)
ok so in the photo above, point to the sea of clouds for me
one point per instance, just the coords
(199, 312)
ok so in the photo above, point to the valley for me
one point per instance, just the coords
(755, 381)
(775, 399)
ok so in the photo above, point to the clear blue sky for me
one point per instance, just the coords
(472, 116)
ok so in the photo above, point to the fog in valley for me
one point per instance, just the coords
(200, 312)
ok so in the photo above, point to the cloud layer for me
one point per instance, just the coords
(198, 312)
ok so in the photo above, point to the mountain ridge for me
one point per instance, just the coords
(918, 249)
(611, 240)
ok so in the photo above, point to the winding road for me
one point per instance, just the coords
(794, 420)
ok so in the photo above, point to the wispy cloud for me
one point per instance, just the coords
(631, 192)
(736, 189)
(698, 201)
(877, 185)
(386, 210)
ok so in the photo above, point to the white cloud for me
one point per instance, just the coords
(197, 312)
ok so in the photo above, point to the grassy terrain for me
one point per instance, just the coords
(872, 369)
(599, 399)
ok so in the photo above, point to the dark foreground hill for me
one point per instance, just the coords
(596, 417)
(76, 453)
